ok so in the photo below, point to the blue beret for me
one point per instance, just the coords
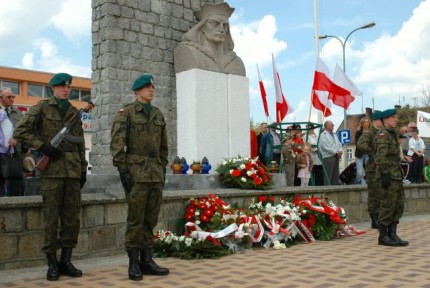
(142, 81)
(60, 79)
(387, 113)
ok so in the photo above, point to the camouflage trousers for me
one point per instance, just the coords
(61, 200)
(392, 202)
(289, 173)
(144, 203)
(373, 190)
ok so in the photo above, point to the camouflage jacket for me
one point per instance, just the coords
(387, 156)
(139, 143)
(366, 145)
(40, 125)
(288, 154)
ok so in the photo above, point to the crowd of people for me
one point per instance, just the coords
(385, 159)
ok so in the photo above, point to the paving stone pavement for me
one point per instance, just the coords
(347, 262)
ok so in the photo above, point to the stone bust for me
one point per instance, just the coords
(209, 45)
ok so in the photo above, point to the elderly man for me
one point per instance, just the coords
(7, 98)
(330, 149)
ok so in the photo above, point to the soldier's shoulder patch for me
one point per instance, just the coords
(381, 135)
(121, 111)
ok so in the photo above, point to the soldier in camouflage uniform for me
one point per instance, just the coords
(390, 176)
(64, 176)
(139, 150)
(289, 160)
(366, 144)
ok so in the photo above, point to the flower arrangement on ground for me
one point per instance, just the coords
(246, 173)
(278, 217)
(215, 229)
(167, 244)
(321, 216)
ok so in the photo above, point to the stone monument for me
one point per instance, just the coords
(212, 90)
(130, 38)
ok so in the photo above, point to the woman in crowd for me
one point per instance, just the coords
(360, 157)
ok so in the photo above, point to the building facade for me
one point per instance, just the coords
(31, 86)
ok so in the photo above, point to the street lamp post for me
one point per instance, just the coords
(343, 43)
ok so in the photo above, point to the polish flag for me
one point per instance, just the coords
(343, 90)
(282, 106)
(263, 93)
(322, 84)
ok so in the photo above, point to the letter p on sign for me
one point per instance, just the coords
(344, 136)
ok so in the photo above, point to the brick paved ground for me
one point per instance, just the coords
(348, 262)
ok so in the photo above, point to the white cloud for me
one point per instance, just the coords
(393, 65)
(27, 60)
(74, 20)
(46, 58)
(255, 42)
(22, 20)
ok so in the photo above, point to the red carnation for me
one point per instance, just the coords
(205, 218)
(191, 209)
(257, 181)
(262, 199)
(189, 216)
(236, 173)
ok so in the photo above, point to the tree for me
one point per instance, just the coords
(425, 91)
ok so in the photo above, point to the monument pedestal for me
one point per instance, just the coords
(213, 116)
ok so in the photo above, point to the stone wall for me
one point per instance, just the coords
(104, 214)
(132, 37)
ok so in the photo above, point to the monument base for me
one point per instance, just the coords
(213, 116)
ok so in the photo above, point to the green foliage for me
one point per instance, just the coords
(324, 228)
(197, 250)
(246, 173)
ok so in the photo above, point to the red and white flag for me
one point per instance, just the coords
(343, 90)
(321, 87)
(282, 106)
(263, 93)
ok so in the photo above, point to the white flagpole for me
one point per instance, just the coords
(320, 116)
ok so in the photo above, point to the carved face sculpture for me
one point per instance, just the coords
(215, 28)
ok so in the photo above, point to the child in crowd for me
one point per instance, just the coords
(289, 160)
(304, 164)
(416, 150)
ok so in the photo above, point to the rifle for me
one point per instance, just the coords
(62, 134)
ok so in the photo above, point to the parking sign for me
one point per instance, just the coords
(344, 136)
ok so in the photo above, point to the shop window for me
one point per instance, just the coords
(14, 86)
(74, 94)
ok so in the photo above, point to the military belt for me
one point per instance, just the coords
(149, 154)
(68, 147)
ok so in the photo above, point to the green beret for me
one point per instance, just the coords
(375, 115)
(387, 113)
(60, 79)
(142, 81)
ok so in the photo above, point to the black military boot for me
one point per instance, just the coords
(66, 267)
(374, 218)
(384, 238)
(134, 272)
(392, 232)
(148, 266)
(53, 273)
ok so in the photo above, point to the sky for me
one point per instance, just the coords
(389, 63)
